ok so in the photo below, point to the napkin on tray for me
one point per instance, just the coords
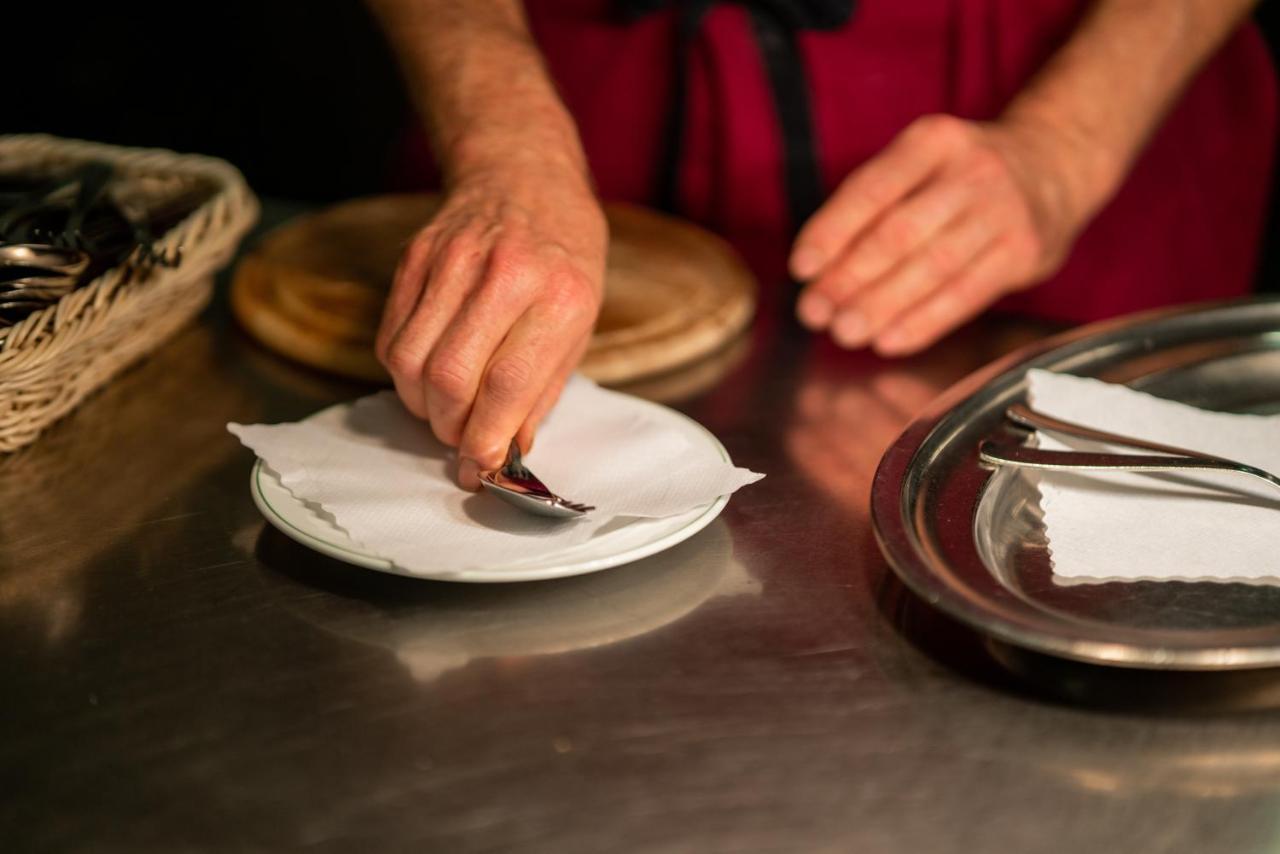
(1128, 526)
(381, 477)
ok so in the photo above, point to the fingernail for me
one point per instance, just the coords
(806, 263)
(814, 311)
(468, 474)
(849, 329)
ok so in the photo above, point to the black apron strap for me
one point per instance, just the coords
(775, 24)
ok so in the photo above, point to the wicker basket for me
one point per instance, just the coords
(52, 359)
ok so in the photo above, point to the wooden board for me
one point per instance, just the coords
(313, 289)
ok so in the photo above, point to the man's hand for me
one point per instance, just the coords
(955, 214)
(495, 299)
(951, 216)
(492, 308)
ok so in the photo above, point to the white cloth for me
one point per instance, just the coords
(1130, 526)
(383, 479)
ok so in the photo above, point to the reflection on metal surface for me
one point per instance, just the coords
(434, 627)
(52, 495)
(838, 425)
(203, 697)
(1130, 736)
(849, 407)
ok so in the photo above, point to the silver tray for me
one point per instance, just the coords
(970, 541)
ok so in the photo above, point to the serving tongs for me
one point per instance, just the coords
(1161, 457)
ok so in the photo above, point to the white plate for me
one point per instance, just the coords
(615, 546)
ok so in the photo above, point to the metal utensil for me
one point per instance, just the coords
(44, 256)
(1162, 458)
(516, 485)
(972, 542)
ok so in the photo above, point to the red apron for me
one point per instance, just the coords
(1184, 226)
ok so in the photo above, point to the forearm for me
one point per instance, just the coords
(1098, 100)
(480, 85)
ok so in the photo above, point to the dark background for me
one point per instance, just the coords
(302, 95)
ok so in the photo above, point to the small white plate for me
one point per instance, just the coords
(636, 539)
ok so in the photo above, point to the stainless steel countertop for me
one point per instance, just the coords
(179, 677)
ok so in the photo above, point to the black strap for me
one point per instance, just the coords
(775, 23)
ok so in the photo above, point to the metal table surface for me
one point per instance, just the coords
(177, 676)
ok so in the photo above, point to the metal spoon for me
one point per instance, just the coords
(519, 487)
(44, 256)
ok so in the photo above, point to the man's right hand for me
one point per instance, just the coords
(493, 306)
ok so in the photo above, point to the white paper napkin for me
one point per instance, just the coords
(1130, 526)
(380, 476)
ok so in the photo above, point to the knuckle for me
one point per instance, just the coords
(876, 189)
(875, 252)
(448, 431)
(461, 250)
(508, 259)
(819, 237)
(447, 378)
(507, 378)
(482, 443)
(942, 129)
(954, 132)
(834, 284)
(449, 436)
(401, 361)
(421, 243)
(899, 233)
(952, 300)
(985, 165)
(947, 304)
(941, 257)
(880, 305)
(572, 297)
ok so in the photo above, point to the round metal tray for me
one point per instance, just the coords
(970, 541)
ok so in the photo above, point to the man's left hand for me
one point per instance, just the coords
(951, 216)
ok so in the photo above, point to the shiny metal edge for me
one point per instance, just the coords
(1013, 619)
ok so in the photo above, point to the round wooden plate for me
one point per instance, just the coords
(313, 289)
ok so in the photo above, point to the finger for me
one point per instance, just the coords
(836, 414)
(451, 275)
(454, 369)
(870, 190)
(813, 401)
(528, 431)
(406, 288)
(407, 285)
(951, 305)
(905, 228)
(903, 391)
(871, 311)
(903, 231)
(516, 378)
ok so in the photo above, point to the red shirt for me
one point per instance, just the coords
(1184, 226)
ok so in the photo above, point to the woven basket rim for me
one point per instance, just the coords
(231, 202)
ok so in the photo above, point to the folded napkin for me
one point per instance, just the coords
(1130, 526)
(380, 476)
